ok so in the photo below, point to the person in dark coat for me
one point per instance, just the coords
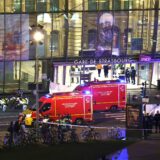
(133, 75)
(127, 74)
(157, 121)
(105, 67)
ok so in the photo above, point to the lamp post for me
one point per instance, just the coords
(38, 36)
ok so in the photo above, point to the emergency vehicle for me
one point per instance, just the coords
(107, 95)
(76, 104)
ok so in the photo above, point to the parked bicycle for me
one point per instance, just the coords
(114, 133)
(90, 134)
(73, 136)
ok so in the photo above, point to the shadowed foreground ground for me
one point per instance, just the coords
(81, 151)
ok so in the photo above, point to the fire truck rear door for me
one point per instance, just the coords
(88, 107)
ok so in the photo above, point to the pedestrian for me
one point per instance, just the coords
(10, 130)
(99, 68)
(157, 121)
(77, 73)
(133, 75)
(150, 123)
(72, 70)
(146, 124)
(106, 68)
(127, 74)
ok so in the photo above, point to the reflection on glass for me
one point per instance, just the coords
(41, 5)
(29, 5)
(119, 155)
(54, 5)
(14, 43)
(17, 6)
(108, 36)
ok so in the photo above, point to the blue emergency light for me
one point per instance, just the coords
(122, 81)
(86, 92)
(48, 96)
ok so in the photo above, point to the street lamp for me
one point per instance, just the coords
(38, 36)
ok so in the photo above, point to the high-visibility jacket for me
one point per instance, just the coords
(28, 121)
(99, 66)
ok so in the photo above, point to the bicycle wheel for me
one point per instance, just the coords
(118, 134)
(97, 136)
(84, 135)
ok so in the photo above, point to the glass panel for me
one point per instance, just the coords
(41, 5)
(104, 5)
(32, 46)
(45, 21)
(37, 47)
(27, 74)
(74, 23)
(16, 38)
(29, 5)
(144, 72)
(116, 4)
(12, 37)
(92, 5)
(1, 6)
(54, 43)
(11, 76)
(59, 25)
(118, 29)
(54, 5)
(9, 6)
(126, 4)
(158, 32)
(109, 35)
(133, 33)
(140, 32)
(24, 41)
(17, 5)
(92, 39)
(140, 4)
(75, 5)
(1, 76)
(2, 30)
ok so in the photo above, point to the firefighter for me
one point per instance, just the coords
(99, 68)
(28, 120)
(23, 102)
(3, 103)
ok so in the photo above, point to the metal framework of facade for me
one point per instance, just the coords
(77, 32)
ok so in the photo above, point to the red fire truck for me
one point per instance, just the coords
(107, 95)
(76, 104)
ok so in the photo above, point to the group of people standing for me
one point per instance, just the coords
(151, 121)
(104, 67)
(130, 75)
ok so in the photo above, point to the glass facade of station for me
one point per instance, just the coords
(73, 29)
